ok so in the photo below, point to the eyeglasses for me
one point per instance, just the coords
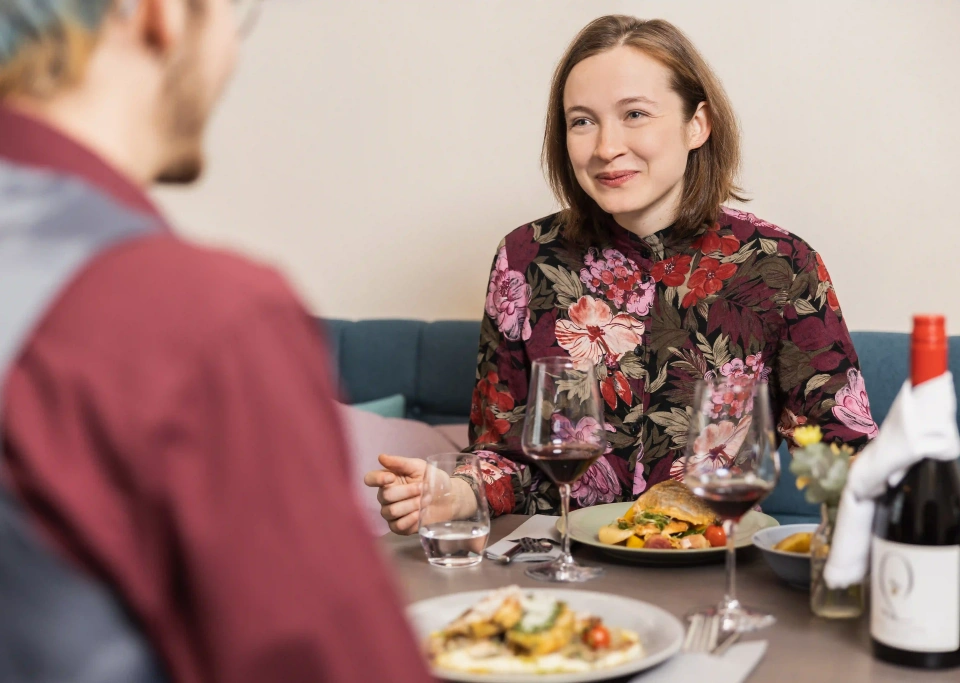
(246, 13)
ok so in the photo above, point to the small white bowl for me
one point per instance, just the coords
(794, 568)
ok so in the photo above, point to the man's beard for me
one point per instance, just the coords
(183, 121)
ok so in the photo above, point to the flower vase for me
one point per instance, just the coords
(830, 603)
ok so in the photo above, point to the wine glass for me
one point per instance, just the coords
(731, 463)
(563, 434)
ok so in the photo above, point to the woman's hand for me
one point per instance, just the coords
(399, 494)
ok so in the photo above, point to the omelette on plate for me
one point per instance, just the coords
(512, 632)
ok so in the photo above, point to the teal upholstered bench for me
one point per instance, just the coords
(433, 366)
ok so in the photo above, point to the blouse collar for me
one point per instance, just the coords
(659, 245)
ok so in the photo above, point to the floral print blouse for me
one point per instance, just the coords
(654, 315)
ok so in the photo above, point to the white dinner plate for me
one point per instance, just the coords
(585, 525)
(661, 633)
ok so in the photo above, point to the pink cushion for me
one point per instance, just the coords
(457, 435)
(370, 435)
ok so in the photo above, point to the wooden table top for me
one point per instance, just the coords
(802, 647)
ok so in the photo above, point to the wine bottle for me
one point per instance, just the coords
(915, 575)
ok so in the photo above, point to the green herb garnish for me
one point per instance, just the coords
(523, 627)
(652, 518)
(691, 532)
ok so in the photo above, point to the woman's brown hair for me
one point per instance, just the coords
(710, 176)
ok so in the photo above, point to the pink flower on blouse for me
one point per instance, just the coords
(734, 368)
(639, 302)
(585, 431)
(598, 484)
(617, 278)
(593, 331)
(493, 467)
(853, 406)
(755, 363)
(508, 300)
(753, 220)
(752, 367)
(715, 448)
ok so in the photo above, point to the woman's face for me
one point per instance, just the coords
(628, 138)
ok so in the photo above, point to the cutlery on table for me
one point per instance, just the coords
(702, 634)
(709, 634)
(542, 541)
(524, 545)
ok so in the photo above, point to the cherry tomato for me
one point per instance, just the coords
(716, 535)
(597, 637)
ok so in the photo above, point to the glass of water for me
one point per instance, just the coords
(454, 525)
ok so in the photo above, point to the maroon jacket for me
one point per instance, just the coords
(170, 429)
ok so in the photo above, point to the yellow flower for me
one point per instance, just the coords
(807, 436)
(802, 483)
(844, 449)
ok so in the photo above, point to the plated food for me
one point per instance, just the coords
(510, 631)
(787, 550)
(795, 543)
(668, 516)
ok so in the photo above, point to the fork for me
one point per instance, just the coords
(542, 541)
(524, 545)
(710, 634)
(702, 634)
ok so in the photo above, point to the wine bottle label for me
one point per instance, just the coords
(915, 596)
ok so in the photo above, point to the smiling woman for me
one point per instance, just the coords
(647, 278)
(669, 111)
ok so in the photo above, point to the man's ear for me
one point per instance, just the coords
(699, 127)
(159, 24)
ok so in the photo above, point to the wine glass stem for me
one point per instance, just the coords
(565, 556)
(730, 599)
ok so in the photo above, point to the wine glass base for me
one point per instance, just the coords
(563, 572)
(737, 617)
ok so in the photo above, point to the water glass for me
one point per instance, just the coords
(454, 521)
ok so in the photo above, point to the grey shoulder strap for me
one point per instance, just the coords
(56, 624)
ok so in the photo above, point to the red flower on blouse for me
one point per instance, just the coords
(671, 271)
(711, 241)
(824, 276)
(707, 279)
(486, 396)
(496, 471)
(614, 385)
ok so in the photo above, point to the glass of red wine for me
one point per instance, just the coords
(731, 463)
(563, 434)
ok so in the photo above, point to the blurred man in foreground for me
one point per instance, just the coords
(174, 496)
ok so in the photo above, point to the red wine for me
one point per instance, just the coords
(732, 500)
(915, 575)
(565, 464)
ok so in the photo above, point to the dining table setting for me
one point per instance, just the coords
(800, 646)
(691, 581)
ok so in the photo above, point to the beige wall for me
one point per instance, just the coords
(378, 151)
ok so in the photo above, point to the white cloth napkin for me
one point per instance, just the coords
(538, 526)
(921, 424)
(734, 666)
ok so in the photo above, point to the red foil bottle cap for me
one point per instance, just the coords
(928, 348)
